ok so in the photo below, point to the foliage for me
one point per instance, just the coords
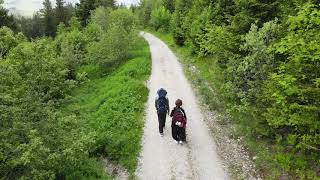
(32, 27)
(218, 41)
(261, 58)
(116, 111)
(60, 12)
(292, 90)
(178, 30)
(8, 40)
(39, 138)
(85, 7)
(6, 19)
(114, 46)
(48, 19)
(160, 19)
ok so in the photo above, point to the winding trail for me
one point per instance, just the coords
(161, 157)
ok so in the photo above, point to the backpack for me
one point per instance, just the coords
(162, 101)
(162, 104)
(178, 116)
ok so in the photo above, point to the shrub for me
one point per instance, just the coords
(292, 91)
(160, 19)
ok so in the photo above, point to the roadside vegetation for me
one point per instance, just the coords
(71, 97)
(258, 63)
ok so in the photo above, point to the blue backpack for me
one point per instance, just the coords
(162, 100)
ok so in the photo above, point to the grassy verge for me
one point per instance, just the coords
(113, 107)
(206, 75)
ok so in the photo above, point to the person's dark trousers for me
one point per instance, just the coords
(175, 131)
(162, 120)
(181, 133)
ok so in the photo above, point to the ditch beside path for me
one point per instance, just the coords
(161, 157)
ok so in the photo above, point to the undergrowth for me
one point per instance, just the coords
(113, 107)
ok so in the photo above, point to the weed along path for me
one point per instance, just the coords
(161, 157)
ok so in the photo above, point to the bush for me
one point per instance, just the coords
(37, 142)
(292, 92)
(39, 138)
(218, 41)
(160, 19)
(114, 45)
(115, 111)
(8, 41)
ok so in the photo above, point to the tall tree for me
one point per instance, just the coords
(6, 19)
(60, 11)
(48, 18)
(32, 27)
(106, 3)
(84, 8)
(169, 5)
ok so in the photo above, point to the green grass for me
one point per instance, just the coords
(113, 106)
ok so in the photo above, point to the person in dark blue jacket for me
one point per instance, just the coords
(162, 106)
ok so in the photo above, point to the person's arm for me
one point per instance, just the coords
(156, 103)
(184, 113)
(171, 114)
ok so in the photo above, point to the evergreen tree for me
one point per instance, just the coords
(85, 7)
(6, 19)
(83, 10)
(106, 3)
(48, 18)
(169, 5)
(32, 27)
(60, 11)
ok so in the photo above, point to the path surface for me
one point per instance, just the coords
(161, 157)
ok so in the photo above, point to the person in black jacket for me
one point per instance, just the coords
(162, 106)
(179, 122)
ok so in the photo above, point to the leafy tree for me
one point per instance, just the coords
(293, 89)
(218, 41)
(178, 30)
(7, 41)
(115, 44)
(101, 17)
(160, 19)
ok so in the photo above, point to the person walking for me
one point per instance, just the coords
(179, 122)
(162, 106)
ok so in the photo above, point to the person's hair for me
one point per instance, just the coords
(178, 102)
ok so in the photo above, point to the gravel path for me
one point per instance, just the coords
(161, 157)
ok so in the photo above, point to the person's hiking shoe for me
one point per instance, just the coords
(176, 142)
(161, 134)
(180, 142)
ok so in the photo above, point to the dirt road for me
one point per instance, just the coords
(161, 157)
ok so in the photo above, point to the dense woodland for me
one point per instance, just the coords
(268, 57)
(62, 73)
(61, 90)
